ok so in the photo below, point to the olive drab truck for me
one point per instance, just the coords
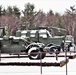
(16, 45)
(41, 36)
(11, 44)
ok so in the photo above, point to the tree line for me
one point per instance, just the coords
(15, 19)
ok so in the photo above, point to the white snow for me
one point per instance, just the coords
(33, 31)
(42, 31)
(24, 31)
(35, 70)
(1, 38)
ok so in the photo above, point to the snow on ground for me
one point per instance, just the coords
(35, 70)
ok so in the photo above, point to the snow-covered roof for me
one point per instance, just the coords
(33, 31)
(69, 36)
(68, 41)
(1, 38)
(42, 31)
(14, 37)
(24, 31)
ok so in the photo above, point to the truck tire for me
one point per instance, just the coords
(35, 53)
(54, 49)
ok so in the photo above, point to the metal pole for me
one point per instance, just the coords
(0, 55)
(56, 56)
(41, 62)
(70, 52)
(74, 49)
(66, 62)
(18, 56)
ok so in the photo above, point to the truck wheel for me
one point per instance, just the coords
(34, 53)
(54, 50)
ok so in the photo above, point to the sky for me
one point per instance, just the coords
(59, 6)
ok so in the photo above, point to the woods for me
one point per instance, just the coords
(15, 19)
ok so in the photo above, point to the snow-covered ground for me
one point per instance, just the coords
(35, 70)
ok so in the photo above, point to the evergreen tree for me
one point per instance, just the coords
(51, 12)
(9, 10)
(16, 11)
(1, 10)
(29, 15)
(4, 12)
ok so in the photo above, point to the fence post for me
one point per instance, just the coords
(66, 62)
(0, 55)
(56, 56)
(18, 55)
(41, 62)
(74, 49)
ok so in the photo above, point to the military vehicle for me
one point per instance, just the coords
(34, 42)
(16, 45)
(43, 36)
(10, 44)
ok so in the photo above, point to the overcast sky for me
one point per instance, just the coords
(45, 5)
